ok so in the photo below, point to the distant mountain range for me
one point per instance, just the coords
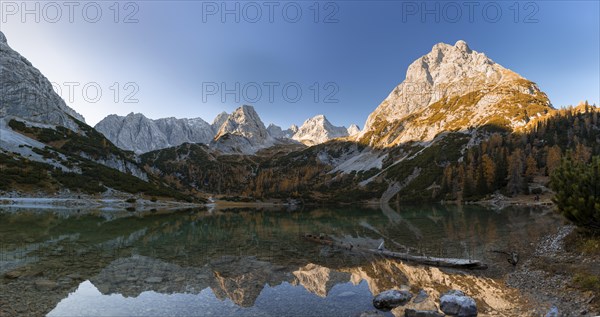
(429, 139)
(451, 88)
(241, 132)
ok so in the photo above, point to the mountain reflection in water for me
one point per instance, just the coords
(247, 262)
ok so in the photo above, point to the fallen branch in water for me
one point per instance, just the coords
(513, 256)
(425, 260)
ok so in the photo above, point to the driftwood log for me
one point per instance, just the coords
(425, 260)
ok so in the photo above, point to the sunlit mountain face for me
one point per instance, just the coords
(248, 261)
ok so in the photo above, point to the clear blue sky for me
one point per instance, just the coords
(173, 47)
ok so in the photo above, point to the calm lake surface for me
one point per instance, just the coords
(247, 262)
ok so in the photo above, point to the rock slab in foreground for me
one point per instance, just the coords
(456, 303)
(391, 299)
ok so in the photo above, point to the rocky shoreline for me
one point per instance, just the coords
(110, 200)
(499, 201)
(544, 281)
(545, 278)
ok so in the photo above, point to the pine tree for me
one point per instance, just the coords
(553, 159)
(577, 187)
(501, 169)
(530, 168)
(459, 181)
(481, 187)
(447, 180)
(582, 153)
(468, 189)
(516, 165)
(489, 170)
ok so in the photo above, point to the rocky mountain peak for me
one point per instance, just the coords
(452, 88)
(2, 38)
(353, 129)
(462, 45)
(318, 130)
(242, 132)
(447, 64)
(244, 121)
(219, 120)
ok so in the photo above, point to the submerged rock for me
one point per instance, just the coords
(422, 313)
(422, 296)
(391, 299)
(455, 302)
(13, 274)
(421, 305)
(372, 313)
(154, 279)
(45, 285)
(553, 312)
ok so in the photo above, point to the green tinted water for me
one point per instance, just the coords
(236, 262)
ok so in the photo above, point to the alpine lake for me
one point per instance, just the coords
(252, 262)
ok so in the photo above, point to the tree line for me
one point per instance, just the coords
(514, 163)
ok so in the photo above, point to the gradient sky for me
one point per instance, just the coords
(173, 52)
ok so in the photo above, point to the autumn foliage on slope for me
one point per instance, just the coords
(510, 163)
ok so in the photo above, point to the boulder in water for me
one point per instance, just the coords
(455, 302)
(391, 299)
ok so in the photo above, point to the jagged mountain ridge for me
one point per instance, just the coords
(137, 133)
(241, 132)
(278, 133)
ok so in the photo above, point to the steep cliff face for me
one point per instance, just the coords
(137, 133)
(133, 132)
(27, 94)
(179, 131)
(276, 131)
(453, 88)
